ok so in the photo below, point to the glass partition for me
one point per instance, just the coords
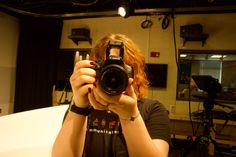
(220, 65)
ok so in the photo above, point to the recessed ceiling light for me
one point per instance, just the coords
(218, 56)
(183, 55)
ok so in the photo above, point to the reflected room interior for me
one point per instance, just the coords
(221, 65)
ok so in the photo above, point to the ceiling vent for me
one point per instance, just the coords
(80, 34)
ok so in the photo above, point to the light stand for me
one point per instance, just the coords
(65, 91)
(212, 87)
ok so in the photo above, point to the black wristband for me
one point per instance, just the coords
(81, 111)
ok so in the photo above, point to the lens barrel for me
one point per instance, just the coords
(113, 79)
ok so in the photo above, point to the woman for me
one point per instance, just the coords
(122, 125)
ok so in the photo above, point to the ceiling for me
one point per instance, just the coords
(94, 8)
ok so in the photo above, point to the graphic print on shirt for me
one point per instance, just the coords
(103, 122)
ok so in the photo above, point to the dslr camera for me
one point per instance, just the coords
(113, 74)
(208, 84)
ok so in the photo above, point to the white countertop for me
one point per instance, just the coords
(31, 133)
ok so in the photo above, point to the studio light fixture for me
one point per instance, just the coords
(125, 8)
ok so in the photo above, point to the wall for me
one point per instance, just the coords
(221, 28)
(9, 28)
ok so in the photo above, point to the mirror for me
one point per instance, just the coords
(221, 65)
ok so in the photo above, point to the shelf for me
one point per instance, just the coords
(199, 38)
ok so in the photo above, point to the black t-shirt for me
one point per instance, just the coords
(104, 136)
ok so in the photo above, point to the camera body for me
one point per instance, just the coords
(113, 74)
(208, 84)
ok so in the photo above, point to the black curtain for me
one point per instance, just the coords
(36, 62)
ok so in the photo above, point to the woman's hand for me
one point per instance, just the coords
(82, 81)
(125, 104)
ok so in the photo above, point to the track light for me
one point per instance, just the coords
(122, 11)
(125, 9)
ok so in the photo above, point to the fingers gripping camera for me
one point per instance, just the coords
(113, 74)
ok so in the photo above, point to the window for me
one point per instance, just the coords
(220, 65)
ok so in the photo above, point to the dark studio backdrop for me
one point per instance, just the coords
(36, 62)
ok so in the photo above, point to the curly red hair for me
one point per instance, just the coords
(132, 57)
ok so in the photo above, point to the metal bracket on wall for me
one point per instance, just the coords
(80, 34)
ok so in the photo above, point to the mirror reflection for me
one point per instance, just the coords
(220, 65)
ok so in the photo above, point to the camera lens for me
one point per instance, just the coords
(114, 79)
